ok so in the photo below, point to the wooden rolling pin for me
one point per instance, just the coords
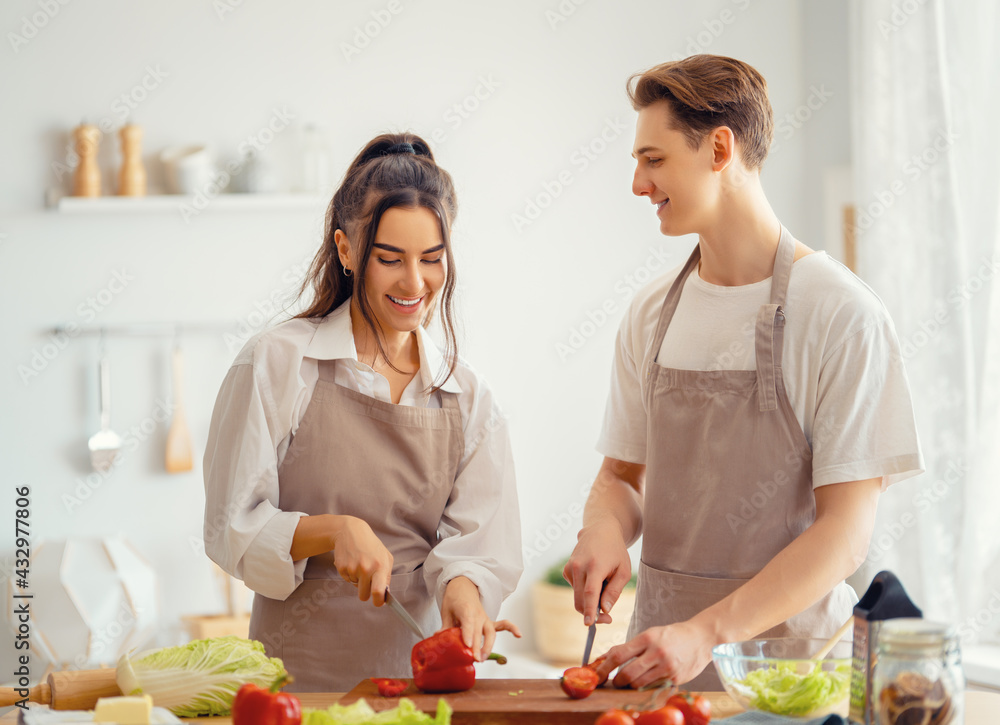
(67, 690)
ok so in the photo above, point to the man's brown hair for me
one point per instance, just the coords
(708, 91)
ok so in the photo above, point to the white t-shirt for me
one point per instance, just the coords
(842, 366)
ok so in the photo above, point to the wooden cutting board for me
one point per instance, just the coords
(525, 701)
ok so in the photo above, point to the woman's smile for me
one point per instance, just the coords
(406, 305)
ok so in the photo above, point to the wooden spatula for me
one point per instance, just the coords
(178, 437)
(830, 643)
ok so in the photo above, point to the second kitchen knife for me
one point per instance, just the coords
(401, 612)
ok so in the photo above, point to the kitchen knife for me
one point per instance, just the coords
(404, 616)
(590, 644)
(592, 631)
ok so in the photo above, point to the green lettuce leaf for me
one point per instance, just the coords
(200, 677)
(361, 713)
(784, 690)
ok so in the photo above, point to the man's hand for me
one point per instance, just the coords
(600, 555)
(678, 652)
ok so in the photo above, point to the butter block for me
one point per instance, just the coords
(129, 710)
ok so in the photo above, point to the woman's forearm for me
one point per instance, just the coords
(825, 554)
(315, 535)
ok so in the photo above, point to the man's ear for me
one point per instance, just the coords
(723, 144)
(343, 248)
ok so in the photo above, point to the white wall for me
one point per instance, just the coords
(523, 292)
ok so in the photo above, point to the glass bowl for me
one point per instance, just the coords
(779, 676)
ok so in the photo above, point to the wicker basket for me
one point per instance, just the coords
(559, 632)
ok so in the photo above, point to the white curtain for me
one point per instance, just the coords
(926, 159)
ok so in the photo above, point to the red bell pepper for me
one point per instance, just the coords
(388, 687)
(254, 705)
(444, 663)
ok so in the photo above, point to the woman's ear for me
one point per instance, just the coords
(723, 143)
(343, 248)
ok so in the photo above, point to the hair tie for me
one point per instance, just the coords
(399, 148)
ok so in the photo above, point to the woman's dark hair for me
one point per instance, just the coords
(393, 170)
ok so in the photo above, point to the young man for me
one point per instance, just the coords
(758, 403)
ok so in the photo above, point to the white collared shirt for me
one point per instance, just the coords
(259, 408)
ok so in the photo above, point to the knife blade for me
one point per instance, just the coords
(592, 631)
(403, 615)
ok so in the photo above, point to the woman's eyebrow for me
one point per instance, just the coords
(397, 250)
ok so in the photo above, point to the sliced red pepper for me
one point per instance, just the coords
(579, 682)
(255, 705)
(388, 687)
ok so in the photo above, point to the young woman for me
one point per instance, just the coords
(758, 403)
(349, 457)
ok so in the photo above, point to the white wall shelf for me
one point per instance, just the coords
(173, 203)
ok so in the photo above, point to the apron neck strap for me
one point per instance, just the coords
(779, 286)
(769, 331)
(782, 267)
(670, 303)
(769, 334)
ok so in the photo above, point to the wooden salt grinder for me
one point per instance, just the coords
(132, 178)
(87, 176)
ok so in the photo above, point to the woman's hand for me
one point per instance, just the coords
(678, 652)
(362, 559)
(462, 607)
(600, 555)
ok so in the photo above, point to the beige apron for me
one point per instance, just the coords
(394, 467)
(728, 479)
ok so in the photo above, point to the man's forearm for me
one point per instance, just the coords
(616, 496)
(804, 571)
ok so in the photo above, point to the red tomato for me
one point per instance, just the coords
(578, 682)
(666, 715)
(389, 688)
(696, 709)
(615, 717)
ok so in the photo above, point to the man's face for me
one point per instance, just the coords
(680, 181)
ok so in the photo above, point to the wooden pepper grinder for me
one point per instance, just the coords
(132, 178)
(87, 176)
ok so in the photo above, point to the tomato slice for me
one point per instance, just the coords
(578, 682)
(388, 687)
(666, 715)
(615, 717)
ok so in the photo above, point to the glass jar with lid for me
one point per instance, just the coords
(918, 678)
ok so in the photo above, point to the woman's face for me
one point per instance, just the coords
(681, 182)
(407, 267)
